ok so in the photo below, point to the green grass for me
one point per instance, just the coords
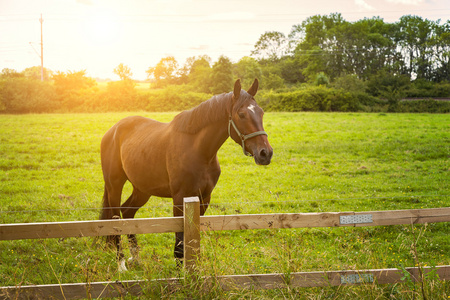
(50, 171)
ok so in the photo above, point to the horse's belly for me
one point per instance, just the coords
(158, 192)
(149, 178)
(146, 170)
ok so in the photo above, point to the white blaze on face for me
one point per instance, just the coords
(251, 108)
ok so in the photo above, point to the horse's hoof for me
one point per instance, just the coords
(122, 266)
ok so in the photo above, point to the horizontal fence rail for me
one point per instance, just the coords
(20, 231)
(225, 282)
(332, 219)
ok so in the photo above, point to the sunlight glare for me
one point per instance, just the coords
(101, 28)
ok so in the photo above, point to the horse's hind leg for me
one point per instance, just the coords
(111, 210)
(115, 179)
(111, 199)
(129, 209)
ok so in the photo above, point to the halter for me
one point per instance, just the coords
(243, 137)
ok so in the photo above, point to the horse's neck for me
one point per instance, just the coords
(212, 137)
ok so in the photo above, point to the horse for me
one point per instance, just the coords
(177, 159)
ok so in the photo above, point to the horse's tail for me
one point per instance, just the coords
(105, 213)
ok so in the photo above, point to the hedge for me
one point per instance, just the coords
(20, 95)
(318, 98)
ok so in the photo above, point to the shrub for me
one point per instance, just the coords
(22, 95)
(317, 98)
(73, 90)
(119, 96)
(388, 85)
(427, 89)
(369, 103)
(172, 98)
(430, 106)
(350, 83)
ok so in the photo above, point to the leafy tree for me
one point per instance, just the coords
(165, 72)
(198, 72)
(321, 48)
(10, 73)
(271, 75)
(334, 46)
(291, 69)
(195, 62)
(222, 76)
(368, 47)
(441, 51)
(35, 73)
(247, 69)
(350, 83)
(313, 61)
(272, 45)
(123, 71)
(415, 36)
(272, 81)
(321, 79)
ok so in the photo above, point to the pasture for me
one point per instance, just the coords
(50, 171)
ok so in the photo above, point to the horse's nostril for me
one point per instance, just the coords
(263, 153)
(264, 156)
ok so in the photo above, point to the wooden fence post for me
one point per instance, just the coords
(191, 232)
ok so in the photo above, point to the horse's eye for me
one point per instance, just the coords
(241, 115)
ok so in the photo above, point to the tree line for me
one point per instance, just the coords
(325, 64)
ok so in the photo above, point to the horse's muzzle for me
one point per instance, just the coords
(263, 156)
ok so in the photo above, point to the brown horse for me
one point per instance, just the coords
(177, 159)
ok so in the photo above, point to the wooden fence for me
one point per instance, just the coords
(192, 224)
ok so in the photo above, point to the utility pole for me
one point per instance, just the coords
(42, 50)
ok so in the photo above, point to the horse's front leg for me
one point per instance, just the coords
(179, 249)
(179, 236)
(129, 209)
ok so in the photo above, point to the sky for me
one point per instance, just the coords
(98, 35)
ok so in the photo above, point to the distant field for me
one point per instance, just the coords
(50, 171)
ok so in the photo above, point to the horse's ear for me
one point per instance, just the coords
(254, 88)
(237, 89)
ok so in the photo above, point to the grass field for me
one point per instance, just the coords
(50, 171)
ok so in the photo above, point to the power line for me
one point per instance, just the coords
(42, 50)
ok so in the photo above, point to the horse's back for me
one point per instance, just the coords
(130, 128)
(130, 124)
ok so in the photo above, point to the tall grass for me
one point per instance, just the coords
(50, 171)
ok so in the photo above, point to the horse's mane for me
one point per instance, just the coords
(212, 110)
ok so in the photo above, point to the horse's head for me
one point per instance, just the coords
(245, 124)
